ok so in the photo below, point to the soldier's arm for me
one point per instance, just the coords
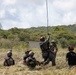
(48, 38)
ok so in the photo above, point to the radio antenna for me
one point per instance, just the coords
(47, 21)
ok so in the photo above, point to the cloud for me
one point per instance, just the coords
(12, 11)
(9, 2)
(63, 12)
(2, 14)
(69, 18)
(11, 24)
(32, 13)
(65, 5)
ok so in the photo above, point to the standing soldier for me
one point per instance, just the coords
(9, 60)
(52, 53)
(44, 45)
(53, 47)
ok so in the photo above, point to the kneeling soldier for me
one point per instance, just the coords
(9, 60)
(31, 60)
(26, 56)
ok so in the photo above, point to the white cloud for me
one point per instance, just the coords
(63, 12)
(28, 13)
(69, 18)
(7, 24)
(9, 2)
(65, 5)
(2, 14)
(31, 2)
(33, 16)
(12, 11)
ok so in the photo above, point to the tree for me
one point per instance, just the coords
(0, 26)
(63, 42)
(23, 36)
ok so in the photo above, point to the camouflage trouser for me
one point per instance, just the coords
(51, 58)
(45, 55)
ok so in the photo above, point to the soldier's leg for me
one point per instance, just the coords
(45, 55)
(52, 58)
(47, 61)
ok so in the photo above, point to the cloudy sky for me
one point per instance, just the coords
(32, 13)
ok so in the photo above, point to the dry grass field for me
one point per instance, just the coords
(19, 69)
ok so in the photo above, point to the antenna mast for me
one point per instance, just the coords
(47, 22)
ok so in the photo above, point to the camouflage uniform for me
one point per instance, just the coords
(26, 56)
(51, 58)
(9, 60)
(52, 54)
(31, 61)
(44, 45)
(53, 47)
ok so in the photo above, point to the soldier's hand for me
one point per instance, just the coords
(48, 34)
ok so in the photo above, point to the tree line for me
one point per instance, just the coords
(18, 38)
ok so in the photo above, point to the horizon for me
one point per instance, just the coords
(40, 26)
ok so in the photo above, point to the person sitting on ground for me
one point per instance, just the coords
(26, 56)
(71, 56)
(9, 60)
(31, 61)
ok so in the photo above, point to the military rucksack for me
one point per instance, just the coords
(9, 61)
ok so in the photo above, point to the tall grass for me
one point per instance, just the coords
(61, 67)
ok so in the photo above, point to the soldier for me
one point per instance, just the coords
(9, 60)
(52, 53)
(71, 56)
(31, 61)
(51, 58)
(26, 56)
(44, 45)
(53, 47)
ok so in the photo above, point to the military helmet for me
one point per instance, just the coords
(31, 53)
(53, 41)
(42, 39)
(71, 48)
(9, 53)
(27, 51)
